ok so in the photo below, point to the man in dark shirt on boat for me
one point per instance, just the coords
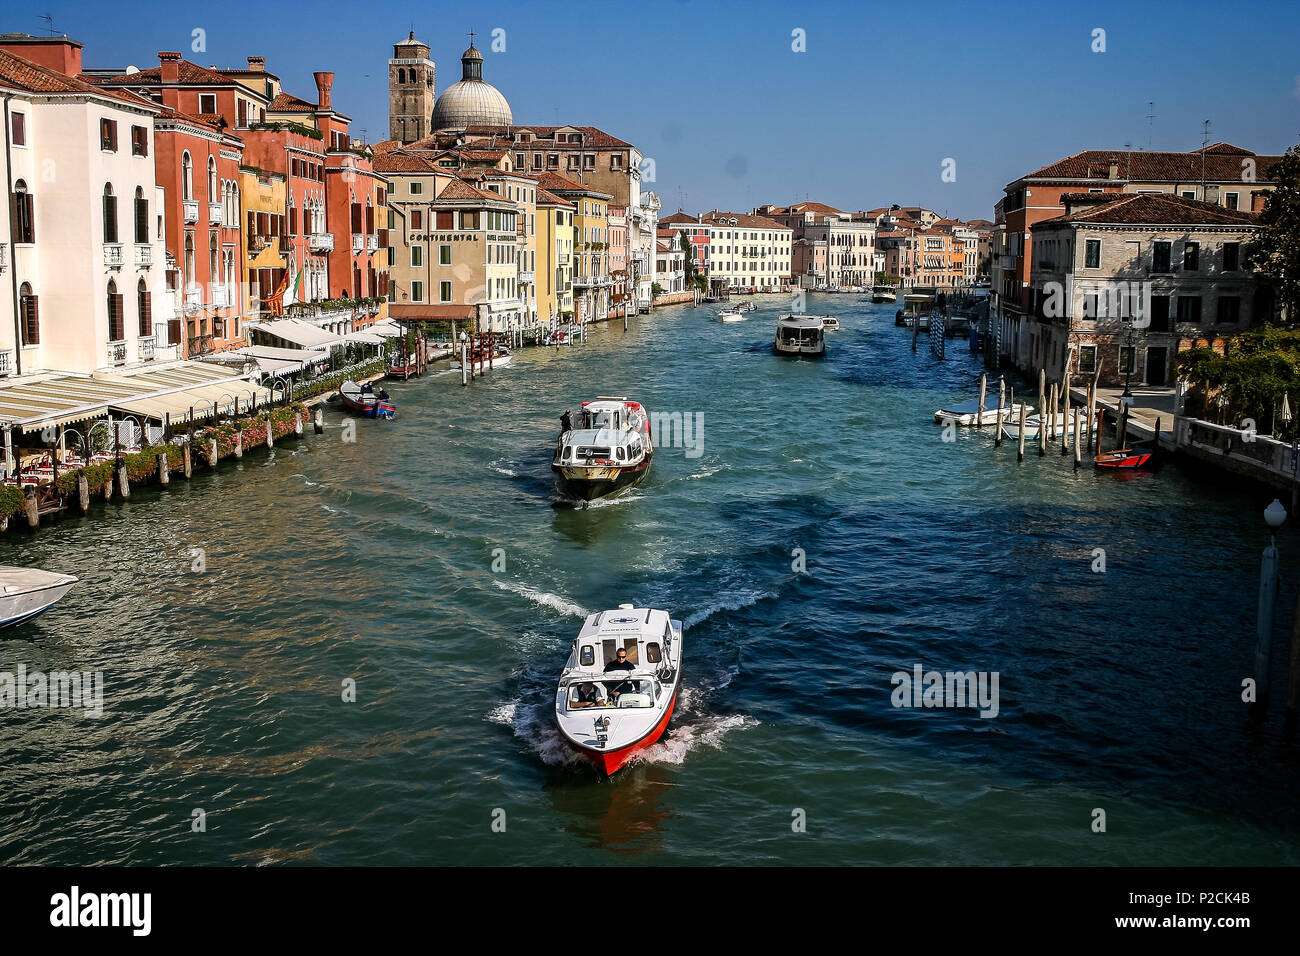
(622, 664)
(566, 422)
(587, 695)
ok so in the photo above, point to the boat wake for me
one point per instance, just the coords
(727, 602)
(686, 737)
(307, 481)
(545, 598)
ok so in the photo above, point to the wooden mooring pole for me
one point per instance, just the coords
(1020, 454)
(979, 412)
(1078, 437)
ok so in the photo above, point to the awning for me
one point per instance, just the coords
(296, 331)
(364, 337)
(269, 359)
(149, 390)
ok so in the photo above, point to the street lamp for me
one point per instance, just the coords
(1274, 516)
(1128, 368)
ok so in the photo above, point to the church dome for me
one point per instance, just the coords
(471, 102)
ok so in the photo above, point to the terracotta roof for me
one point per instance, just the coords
(187, 72)
(458, 189)
(680, 217)
(664, 247)
(288, 103)
(25, 75)
(545, 198)
(595, 138)
(1158, 210)
(401, 163)
(743, 220)
(1222, 163)
(558, 184)
(813, 207)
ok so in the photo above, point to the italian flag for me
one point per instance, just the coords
(294, 292)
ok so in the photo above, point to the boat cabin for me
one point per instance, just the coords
(607, 431)
(650, 642)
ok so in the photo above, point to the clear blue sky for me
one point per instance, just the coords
(713, 92)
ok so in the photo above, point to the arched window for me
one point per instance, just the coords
(24, 213)
(401, 76)
(116, 326)
(29, 313)
(187, 176)
(110, 214)
(212, 179)
(141, 216)
(189, 260)
(144, 309)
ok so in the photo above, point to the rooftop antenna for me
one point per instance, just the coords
(49, 22)
(1151, 120)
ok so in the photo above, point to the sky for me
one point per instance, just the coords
(934, 104)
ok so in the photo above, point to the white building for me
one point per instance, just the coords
(84, 224)
(746, 252)
(670, 264)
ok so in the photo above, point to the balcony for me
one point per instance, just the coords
(358, 243)
(143, 256)
(214, 214)
(257, 243)
(193, 299)
(321, 242)
(372, 243)
(220, 297)
(116, 353)
(112, 255)
(6, 363)
(146, 350)
(190, 211)
(564, 259)
(527, 277)
(4, 257)
(199, 345)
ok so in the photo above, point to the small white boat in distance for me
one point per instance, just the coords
(609, 708)
(830, 323)
(731, 315)
(1057, 425)
(27, 592)
(967, 414)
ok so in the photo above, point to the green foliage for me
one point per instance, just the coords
(1275, 250)
(11, 501)
(656, 289)
(328, 383)
(1248, 381)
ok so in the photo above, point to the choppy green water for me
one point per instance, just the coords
(373, 560)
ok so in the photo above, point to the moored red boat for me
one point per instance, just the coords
(610, 708)
(364, 400)
(1138, 456)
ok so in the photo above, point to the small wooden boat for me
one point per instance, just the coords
(606, 709)
(26, 593)
(364, 400)
(1139, 456)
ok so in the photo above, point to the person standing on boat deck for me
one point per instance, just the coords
(566, 422)
(621, 664)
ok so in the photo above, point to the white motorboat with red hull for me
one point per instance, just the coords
(607, 707)
(607, 449)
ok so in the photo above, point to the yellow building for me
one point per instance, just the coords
(521, 190)
(554, 259)
(591, 279)
(262, 195)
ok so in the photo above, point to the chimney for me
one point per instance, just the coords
(257, 64)
(170, 66)
(1114, 169)
(60, 53)
(324, 82)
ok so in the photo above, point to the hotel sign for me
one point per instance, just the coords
(446, 237)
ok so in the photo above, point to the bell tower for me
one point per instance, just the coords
(410, 90)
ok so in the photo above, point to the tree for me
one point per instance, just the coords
(685, 244)
(1248, 380)
(1275, 250)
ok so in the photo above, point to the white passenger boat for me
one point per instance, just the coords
(28, 592)
(1056, 425)
(884, 293)
(800, 335)
(609, 708)
(608, 448)
(830, 323)
(731, 315)
(967, 414)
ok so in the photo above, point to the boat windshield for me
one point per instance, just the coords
(625, 692)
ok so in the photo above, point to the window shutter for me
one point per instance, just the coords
(110, 219)
(279, 226)
(20, 129)
(370, 220)
(31, 320)
(146, 315)
(252, 223)
(356, 218)
(293, 220)
(142, 220)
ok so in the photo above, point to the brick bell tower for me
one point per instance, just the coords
(411, 90)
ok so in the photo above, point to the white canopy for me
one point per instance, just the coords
(296, 331)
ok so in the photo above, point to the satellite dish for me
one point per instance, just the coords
(132, 69)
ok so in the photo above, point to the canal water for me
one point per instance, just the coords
(429, 561)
